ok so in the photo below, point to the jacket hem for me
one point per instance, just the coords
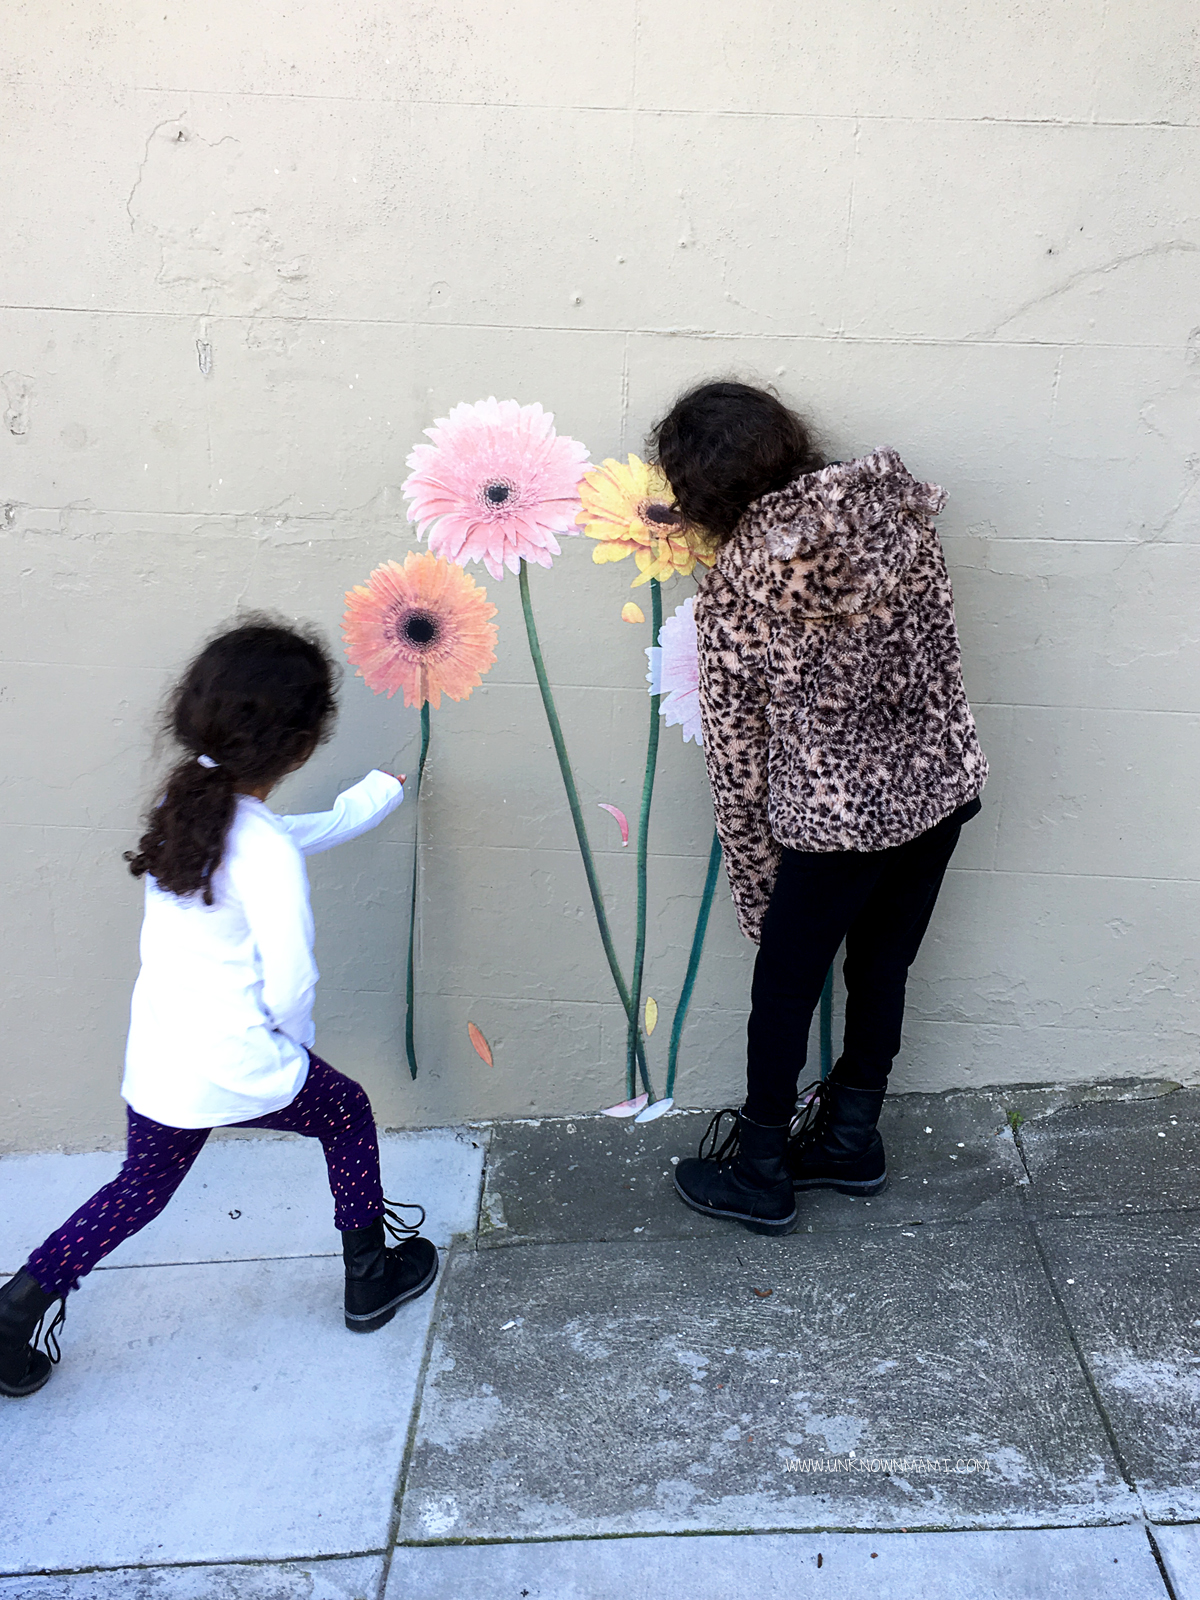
(881, 840)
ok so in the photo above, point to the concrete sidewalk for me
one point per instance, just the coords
(983, 1382)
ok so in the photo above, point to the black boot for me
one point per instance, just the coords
(380, 1277)
(744, 1178)
(835, 1143)
(23, 1306)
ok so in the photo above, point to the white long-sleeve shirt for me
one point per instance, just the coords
(221, 1016)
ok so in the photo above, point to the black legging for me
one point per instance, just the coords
(880, 903)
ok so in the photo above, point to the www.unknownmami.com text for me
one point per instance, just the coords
(903, 1465)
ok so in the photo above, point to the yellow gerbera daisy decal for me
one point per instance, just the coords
(630, 510)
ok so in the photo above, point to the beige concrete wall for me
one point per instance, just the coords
(250, 252)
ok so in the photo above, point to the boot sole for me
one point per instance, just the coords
(15, 1392)
(842, 1185)
(754, 1224)
(368, 1321)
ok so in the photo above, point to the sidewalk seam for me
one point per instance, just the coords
(1085, 1369)
(410, 1439)
(797, 1531)
(1029, 1204)
(212, 1261)
(200, 1564)
(203, 1564)
(1160, 1563)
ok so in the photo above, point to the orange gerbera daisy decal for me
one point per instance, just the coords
(422, 627)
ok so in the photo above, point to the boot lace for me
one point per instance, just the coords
(396, 1225)
(52, 1347)
(712, 1146)
(815, 1105)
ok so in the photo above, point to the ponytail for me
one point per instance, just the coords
(252, 707)
(185, 834)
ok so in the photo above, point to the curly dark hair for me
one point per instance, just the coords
(257, 700)
(724, 444)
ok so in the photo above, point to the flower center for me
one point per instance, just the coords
(497, 493)
(420, 628)
(654, 511)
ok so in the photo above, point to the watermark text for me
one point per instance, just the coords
(900, 1466)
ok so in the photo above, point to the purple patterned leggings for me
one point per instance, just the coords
(329, 1107)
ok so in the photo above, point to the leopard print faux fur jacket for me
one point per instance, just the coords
(831, 687)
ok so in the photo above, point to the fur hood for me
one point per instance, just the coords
(839, 539)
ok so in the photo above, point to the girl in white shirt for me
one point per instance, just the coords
(221, 1029)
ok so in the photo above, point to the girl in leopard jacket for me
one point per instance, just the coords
(843, 761)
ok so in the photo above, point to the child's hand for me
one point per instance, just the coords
(399, 777)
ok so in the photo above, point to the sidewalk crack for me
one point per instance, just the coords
(1015, 1122)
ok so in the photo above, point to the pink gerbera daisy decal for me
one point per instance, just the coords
(496, 485)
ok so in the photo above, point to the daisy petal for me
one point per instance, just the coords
(626, 1108)
(479, 1044)
(622, 821)
(658, 1109)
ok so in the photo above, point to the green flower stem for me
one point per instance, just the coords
(693, 966)
(639, 952)
(585, 849)
(410, 1048)
(827, 1026)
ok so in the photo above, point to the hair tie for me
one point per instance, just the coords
(207, 761)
